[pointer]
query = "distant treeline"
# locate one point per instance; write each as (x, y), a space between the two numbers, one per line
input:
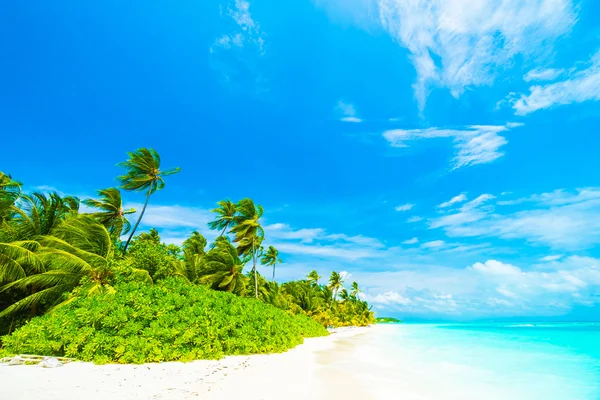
(387, 320)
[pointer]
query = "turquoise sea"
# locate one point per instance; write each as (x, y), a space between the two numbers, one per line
(485, 361)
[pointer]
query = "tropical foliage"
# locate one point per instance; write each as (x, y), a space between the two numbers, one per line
(194, 322)
(143, 174)
(111, 213)
(271, 259)
(64, 267)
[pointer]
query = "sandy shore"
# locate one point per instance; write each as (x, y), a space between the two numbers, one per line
(310, 371)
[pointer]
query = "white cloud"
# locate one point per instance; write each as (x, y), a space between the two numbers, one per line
(249, 32)
(284, 231)
(348, 112)
(351, 119)
(175, 216)
(328, 251)
(47, 189)
(404, 207)
(345, 275)
(390, 298)
(428, 280)
(174, 222)
(558, 219)
(235, 55)
(317, 242)
(580, 86)
(474, 144)
(493, 267)
(280, 231)
(412, 300)
(414, 219)
(461, 43)
(490, 288)
(411, 241)
(433, 244)
(551, 258)
(574, 275)
(357, 239)
(456, 199)
(539, 74)
(478, 201)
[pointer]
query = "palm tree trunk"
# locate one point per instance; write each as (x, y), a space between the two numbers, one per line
(273, 280)
(223, 231)
(213, 244)
(334, 297)
(254, 265)
(138, 221)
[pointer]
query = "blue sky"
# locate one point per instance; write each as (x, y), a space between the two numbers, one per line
(442, 153)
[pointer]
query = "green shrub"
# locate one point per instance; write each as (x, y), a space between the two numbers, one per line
(170, 321)
(148, 253)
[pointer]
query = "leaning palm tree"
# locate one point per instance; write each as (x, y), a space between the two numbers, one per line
(40, 213)
(195, 244)
(313, 277)
(355, 290)
(143, 174)
(271, 259)
(336, 282)
(112, 214)
(10, 191)
(193, 254)
(249, 234)
(222, 269)
(344, 295)
(77, 251)
(327, 296)
(226, 213)
(18, 260)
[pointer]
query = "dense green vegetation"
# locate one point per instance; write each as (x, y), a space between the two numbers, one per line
(387, 320)
(171, 320)
(66, 276)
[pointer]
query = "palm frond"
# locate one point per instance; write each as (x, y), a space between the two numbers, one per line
(85, 233)
(17, 259)
(50, 296)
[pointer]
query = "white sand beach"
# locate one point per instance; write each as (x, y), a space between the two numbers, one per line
(305, 372)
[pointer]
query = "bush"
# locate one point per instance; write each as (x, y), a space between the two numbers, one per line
(147, 253)
(170, 321)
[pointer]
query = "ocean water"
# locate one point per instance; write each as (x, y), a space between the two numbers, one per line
(482, 361)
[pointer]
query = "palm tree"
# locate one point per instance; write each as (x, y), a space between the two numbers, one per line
(41, 213)
(313, 277)
(344, 295)
(193, 247)
(143, 174)
(55, 264)
(10, 191)
(305, 296)
(112, 216)
(249, 234)
(223, 268)
(193, 253)
(327, 295)
(355, 290)
(336, 282)
(271, 258)
(18, 260)
(226, 213)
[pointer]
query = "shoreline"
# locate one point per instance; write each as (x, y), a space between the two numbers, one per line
(306, 371)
